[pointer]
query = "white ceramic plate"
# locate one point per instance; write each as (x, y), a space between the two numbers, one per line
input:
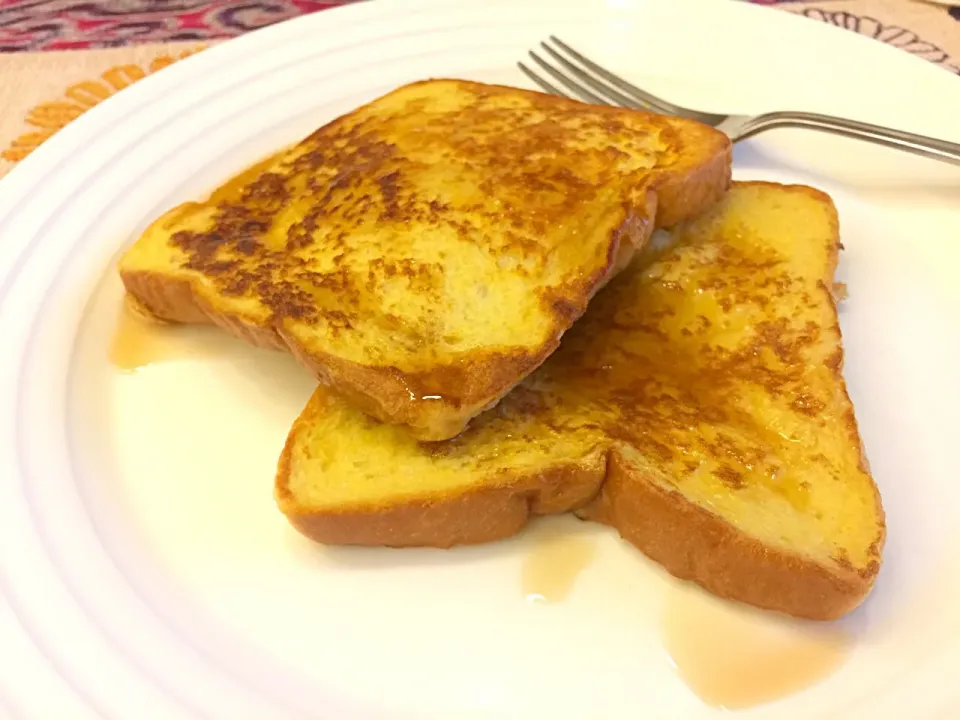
(145, 570)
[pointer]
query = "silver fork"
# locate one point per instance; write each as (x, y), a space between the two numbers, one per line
(584, 79)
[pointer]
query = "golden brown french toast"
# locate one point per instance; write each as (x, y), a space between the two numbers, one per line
(424, 253)
(698, 407)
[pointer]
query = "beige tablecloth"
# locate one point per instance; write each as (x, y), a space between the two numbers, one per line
(42, 92)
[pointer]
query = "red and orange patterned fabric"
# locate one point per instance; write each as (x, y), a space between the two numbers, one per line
(81, 24)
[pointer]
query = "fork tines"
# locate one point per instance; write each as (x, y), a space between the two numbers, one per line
(588, 81)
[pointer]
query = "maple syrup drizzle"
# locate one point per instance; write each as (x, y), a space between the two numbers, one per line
(551, 568)
(139, 340)
(734, 657)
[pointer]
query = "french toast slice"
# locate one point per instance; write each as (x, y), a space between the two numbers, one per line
(698, 407)
(424, 253)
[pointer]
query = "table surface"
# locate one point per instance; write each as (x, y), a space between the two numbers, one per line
(59, 58)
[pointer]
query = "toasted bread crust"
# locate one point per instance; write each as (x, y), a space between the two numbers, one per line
(693, 187)
(493, 511)
(690, 542)
(694, 544)
(483, 515)
(178, 301)
(436, 401)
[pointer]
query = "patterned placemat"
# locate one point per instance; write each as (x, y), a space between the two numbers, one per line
(40, 92)
(82, 24)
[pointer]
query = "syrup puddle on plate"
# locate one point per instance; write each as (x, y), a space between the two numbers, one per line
(139, 341)
(552, 566)
(734, 657)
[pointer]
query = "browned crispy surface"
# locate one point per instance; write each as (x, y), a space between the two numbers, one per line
(698, 407)
(362, 248)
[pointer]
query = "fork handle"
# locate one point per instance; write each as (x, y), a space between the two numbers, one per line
(897, 139)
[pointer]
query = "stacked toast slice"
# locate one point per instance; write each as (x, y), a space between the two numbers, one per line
(424, 253)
